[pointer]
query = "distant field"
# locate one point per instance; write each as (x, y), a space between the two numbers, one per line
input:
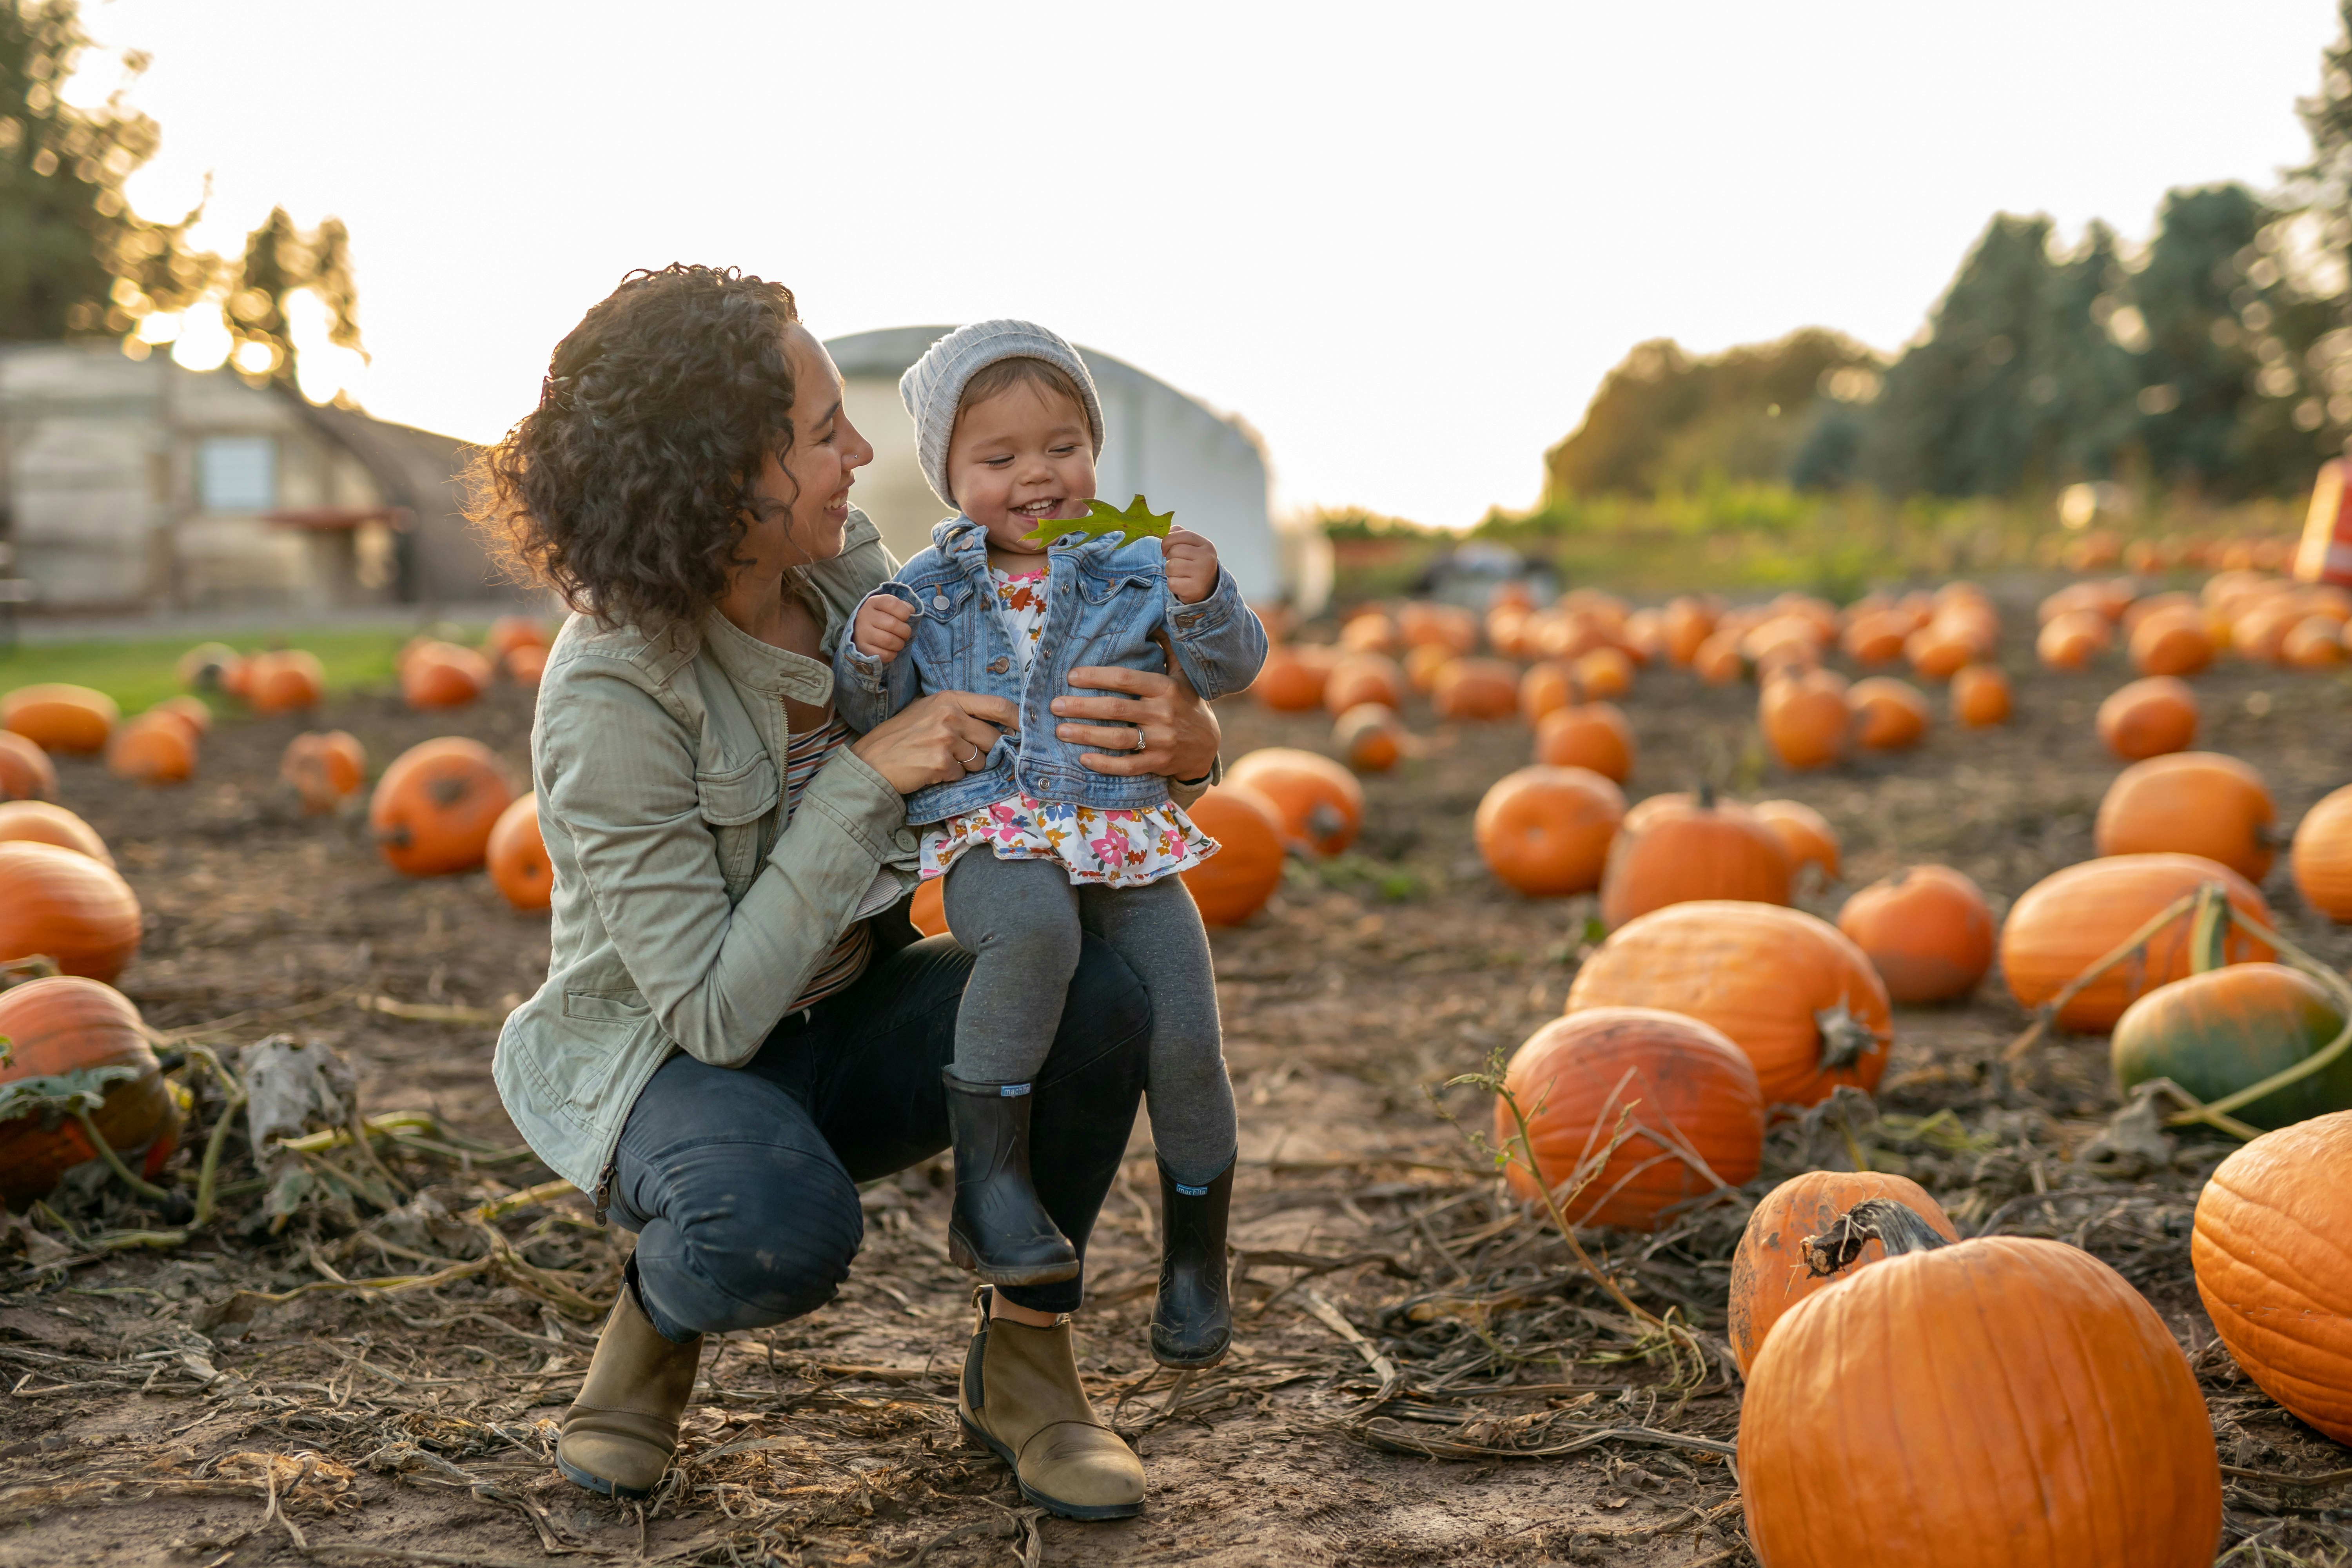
(138, 672)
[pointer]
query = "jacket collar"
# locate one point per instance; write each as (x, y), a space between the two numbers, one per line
(762, 668)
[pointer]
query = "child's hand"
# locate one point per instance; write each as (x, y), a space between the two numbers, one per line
(1191, 564)
(884, 624)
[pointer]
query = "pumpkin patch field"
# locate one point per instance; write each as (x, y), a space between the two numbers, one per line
(1899, 1004)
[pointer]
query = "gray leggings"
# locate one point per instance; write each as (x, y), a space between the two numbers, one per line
(1022, 922)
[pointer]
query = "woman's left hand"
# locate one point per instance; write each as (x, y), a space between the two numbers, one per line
(1179, 730)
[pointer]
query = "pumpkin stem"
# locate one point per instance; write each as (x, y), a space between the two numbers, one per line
(1893, 1226)
(1706, 795)
(1844, 1038)
(2208, 929)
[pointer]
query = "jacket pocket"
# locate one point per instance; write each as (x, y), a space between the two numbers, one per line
(605, 1008)
(738, 795)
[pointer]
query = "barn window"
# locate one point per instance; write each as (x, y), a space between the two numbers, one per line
(236, 473)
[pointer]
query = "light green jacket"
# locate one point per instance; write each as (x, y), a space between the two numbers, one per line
(686, 917)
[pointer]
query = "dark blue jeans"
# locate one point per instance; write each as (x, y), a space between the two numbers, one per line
(741, 1182)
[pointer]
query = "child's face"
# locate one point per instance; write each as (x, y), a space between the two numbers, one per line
(1019, 457)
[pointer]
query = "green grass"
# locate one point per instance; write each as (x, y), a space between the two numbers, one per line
(138, 672)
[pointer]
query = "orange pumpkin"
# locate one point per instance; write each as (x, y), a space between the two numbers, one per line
(1592, 735)
(1790, 990)
(2321, 859)
(1939, 649)
(152, 748)
(1449, 627)
(58, 717)
(60, 902)
(1806, 719)
(1235, 882)
(2315, 642)
(1291, 679)
(2071, 919)
(1805, 834)
(518, 855)
(1889, 715)
(66, 1024)
(443, 675)
(206, 667)
(192, 710)
(2267, 1246)
(2196, 803)
(2149, 718)
(1368, 631)
(1700, 848)
(2072, 640)
(434, 807)
(1476, 690)
(927, 911)
(1546, 831)
(1371, 737)
(1423, 661)
(508, 632)
(1605, 672)
(325, 767)
(1360, 677)
(526, 663)
(287, 681)
(1688, 1100)
(2171, 642)
(1769, 1271)
(1875, 636)
(1547, 687)
(1716, 660)
(25, 771)
(1980, 696)
(1683, 625)
(38, 822)
(1988, 1404)
(1928, 930)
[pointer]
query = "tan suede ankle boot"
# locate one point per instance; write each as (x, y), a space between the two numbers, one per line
(1021, 1397)
(619, 1434)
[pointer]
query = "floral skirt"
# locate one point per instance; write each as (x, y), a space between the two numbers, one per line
(1111, 847)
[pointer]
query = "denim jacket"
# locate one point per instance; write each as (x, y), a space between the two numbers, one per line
(1104, 597)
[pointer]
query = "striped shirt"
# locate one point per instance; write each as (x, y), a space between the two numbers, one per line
(847, 961)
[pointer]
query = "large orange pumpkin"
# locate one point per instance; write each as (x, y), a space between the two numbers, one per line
(1980, 696)
(1235, 882)
(508, 632)
(325, 767)
(2315, 643)
(1423, 624)
(1476, 689)
(1805, 718)
(2071, 640)
(525, 663)
(517, 856)
(2322, 856)
(1804, 833)
(58, 717)
(1875, 636)
(1926, 929)
(1769, 1271)
(1789, 989)
(1547, 687)
(1371, 737)
(2071, 919)
(25, 771)
(2149, 718)
(1684, 623)
(286, 681)
(1546, 831)
(2171, 642)
(1590, 735)
(1368, 631)
(1888, 714)
(153, 749)
(60, 902)
(1422, 660)
(1701, 849)
(1319, 802)
(1696, 1127)
(1360, 677)
(443, 675)
(2195, 803)
(1988, 1404)
(434, 807)
(2271, 1235)
(191, 711)
(1291, 679)
(66, 1024)
(1940, 648)
(1605, 672)
(1716, 660)
(38, 822)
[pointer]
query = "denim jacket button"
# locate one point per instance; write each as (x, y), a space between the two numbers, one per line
(999, 665)
(938, 601)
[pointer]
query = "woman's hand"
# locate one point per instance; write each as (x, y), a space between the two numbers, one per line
(935, 739)
(1178, 732)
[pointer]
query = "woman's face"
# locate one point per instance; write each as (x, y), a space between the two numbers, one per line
(801, 504)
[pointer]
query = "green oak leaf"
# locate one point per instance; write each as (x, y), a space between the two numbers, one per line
(1137, 522)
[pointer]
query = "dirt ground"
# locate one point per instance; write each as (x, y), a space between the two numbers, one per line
(1419, 1377)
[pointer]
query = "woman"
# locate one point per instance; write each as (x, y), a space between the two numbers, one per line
(738, 1025)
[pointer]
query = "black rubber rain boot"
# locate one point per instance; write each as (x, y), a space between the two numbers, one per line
(999, 1229)
(1193, 1323)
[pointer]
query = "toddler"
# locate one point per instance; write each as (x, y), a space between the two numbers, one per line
(1035, 847)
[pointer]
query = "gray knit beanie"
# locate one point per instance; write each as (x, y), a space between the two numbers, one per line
(933, 385)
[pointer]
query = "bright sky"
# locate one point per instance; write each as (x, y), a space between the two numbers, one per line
(1404, 242)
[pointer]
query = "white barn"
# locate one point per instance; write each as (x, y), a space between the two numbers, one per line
(1210, 468)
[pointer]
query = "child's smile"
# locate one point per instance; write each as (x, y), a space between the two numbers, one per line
(1018, 458)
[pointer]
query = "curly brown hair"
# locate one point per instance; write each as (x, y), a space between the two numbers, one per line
(625, 489)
